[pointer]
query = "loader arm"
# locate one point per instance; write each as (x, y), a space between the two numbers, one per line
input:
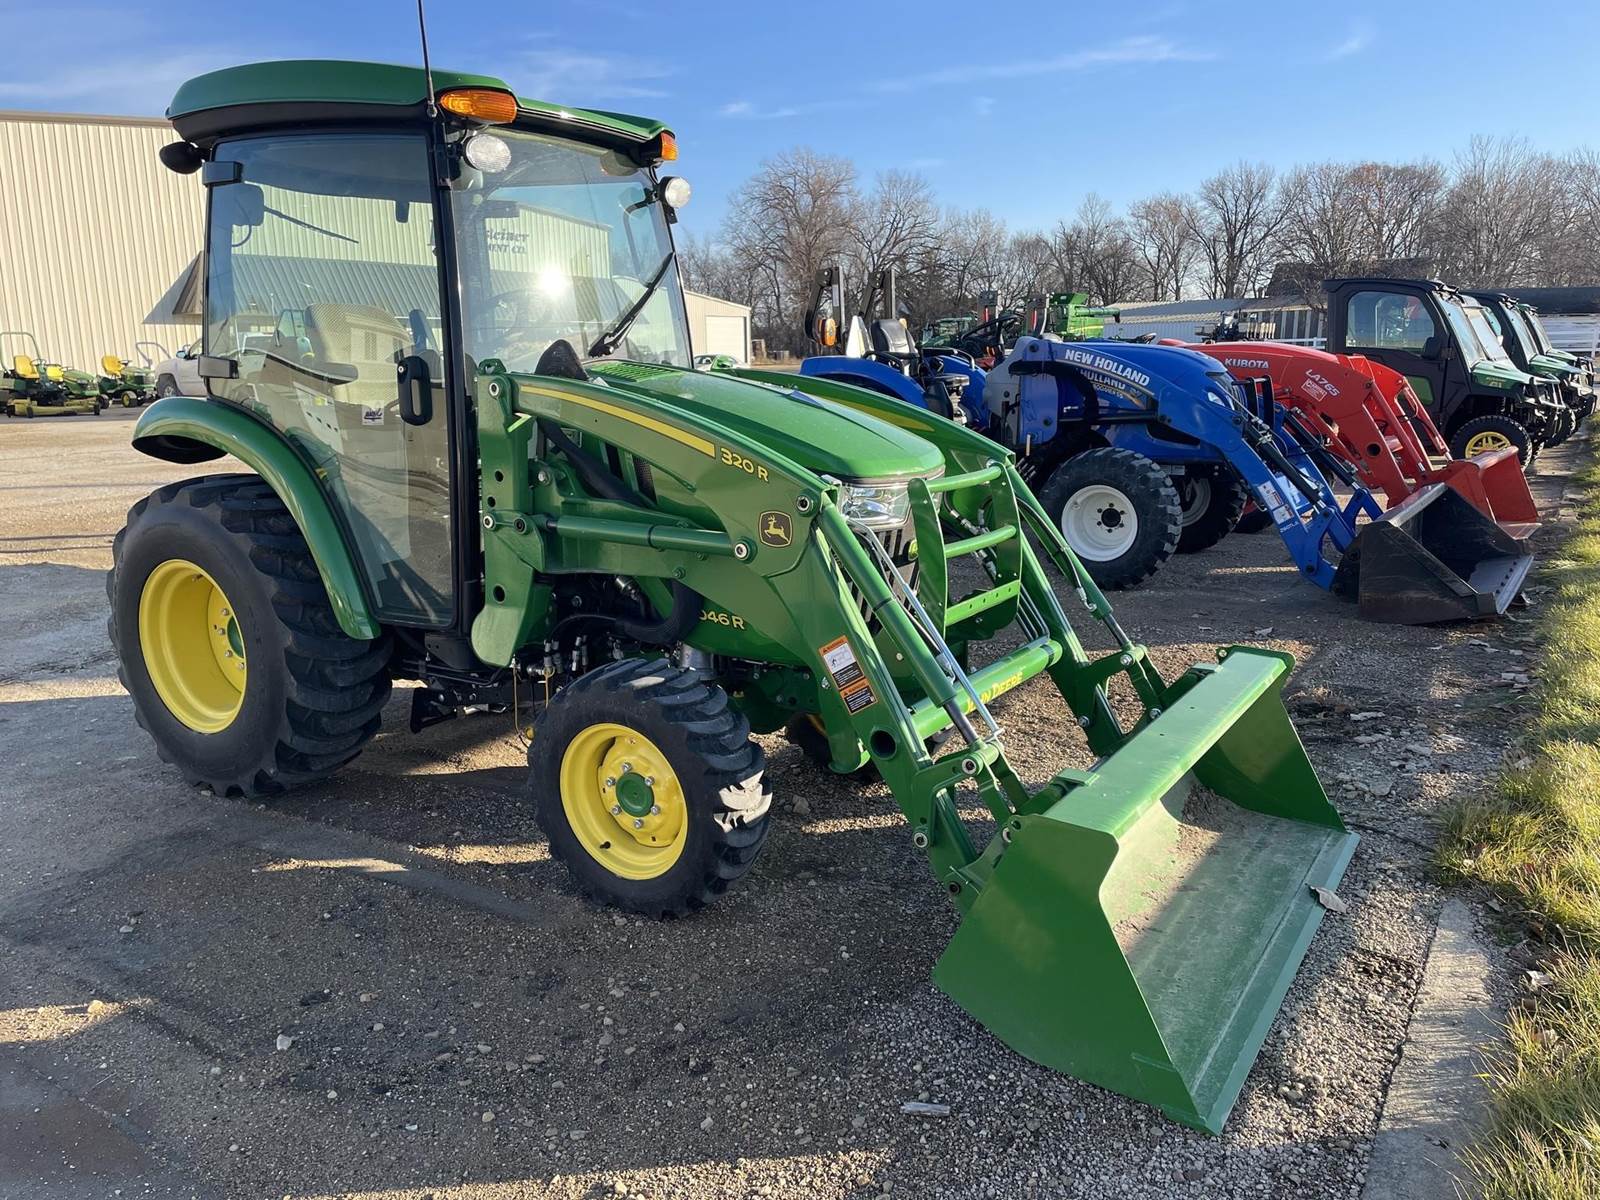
(1057, 953)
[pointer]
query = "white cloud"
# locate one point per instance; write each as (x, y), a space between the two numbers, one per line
(559, 73)
(983, 105)
(1360, 38)
(54, 73)
(1144, 49)
(747, 111)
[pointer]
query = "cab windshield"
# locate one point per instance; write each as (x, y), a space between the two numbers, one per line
(1513, 322)
(563, 242)
(1535, 328)
(1488, 337)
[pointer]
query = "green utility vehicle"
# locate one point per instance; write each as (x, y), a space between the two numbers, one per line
(1069, 315)
(1441, 340)
(1513, 324)
(487, 464)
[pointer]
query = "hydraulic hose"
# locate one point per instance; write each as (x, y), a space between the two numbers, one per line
(687, 603)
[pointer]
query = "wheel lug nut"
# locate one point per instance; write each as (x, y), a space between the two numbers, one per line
(649, 781)
(616, 810)
(626, 767)
(655, 810)
(638, 822)
(610, 782)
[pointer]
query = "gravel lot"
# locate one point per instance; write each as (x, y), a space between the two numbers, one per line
(383, 987)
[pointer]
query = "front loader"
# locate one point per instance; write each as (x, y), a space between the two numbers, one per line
(1369, 418)
(1138, 450)
(489, 466)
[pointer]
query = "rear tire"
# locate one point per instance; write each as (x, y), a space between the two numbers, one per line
(1480, 435)
(1212, 504)
(307, 698)
(167, 386)
(649, 787)
(1118, 511)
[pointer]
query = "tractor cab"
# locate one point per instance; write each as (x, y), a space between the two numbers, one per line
(1442, 341)
(1522, 343)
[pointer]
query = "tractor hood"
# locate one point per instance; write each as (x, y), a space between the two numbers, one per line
(1551, 367)
(824, 437)
(1500, 377)
(1148, 366)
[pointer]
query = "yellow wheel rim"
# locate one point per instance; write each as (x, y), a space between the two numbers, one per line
(623, 801)
(1483, 443)
(193, 647)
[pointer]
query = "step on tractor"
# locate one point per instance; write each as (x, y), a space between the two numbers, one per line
(492, 468)
(1138, 450)
(1441, 340)
(1367, 416)
(30, 387)
(123, 383)
(1574, 384)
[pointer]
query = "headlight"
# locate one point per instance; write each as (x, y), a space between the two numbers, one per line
(876, 505)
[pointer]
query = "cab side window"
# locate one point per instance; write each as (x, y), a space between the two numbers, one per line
(1388, 321)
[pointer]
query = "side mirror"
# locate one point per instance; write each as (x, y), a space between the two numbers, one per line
(1431, 347)
(248, 204)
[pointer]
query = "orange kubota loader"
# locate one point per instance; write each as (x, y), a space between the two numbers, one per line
(1369, 418)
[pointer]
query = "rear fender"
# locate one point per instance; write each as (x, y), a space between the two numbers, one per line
(182, 429)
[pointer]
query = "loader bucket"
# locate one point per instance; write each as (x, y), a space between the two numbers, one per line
(1495, 486)
(1141, 931)
(1435, 557)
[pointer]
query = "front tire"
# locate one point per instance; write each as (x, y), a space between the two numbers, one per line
(1493, 432)
(1212, 503)
(649, 787)
(167, 386)
(1118, 511)
(228, 644)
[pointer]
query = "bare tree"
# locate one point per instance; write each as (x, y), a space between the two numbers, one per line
(788, 220)
(1323, 227)
(1502, 199)
(1162, 231)
(893, 226)
(1235, 222)
(1399, 206)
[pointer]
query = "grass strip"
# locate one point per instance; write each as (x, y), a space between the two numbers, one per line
(1535, 841)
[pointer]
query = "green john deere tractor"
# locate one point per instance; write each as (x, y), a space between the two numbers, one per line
(482, 460)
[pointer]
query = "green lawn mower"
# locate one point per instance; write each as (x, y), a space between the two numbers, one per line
(30, 387)
(487, 464)
(121, 382)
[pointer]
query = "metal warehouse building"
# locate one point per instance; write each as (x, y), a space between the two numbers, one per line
(98, 241)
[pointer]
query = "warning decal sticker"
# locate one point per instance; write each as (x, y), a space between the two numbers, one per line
(847, 675)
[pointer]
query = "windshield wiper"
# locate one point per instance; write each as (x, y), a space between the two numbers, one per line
(283, 216)
(608, 341)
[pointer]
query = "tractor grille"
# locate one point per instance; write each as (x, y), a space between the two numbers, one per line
(898, 542)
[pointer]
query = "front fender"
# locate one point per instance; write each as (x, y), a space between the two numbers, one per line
(182, 429)
(863, 372)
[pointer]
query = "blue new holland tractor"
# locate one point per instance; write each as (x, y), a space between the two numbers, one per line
(1139, 450)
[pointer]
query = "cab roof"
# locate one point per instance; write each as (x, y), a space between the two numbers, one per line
(271, 93)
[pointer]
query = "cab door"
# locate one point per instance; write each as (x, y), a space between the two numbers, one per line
(323, 289)
(1403, 330)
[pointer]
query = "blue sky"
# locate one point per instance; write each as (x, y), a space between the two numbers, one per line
(1022, 115)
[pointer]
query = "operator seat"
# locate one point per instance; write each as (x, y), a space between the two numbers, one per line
(893, 345)
(369, 339)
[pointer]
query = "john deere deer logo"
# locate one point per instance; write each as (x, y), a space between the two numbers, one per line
(776, 529)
